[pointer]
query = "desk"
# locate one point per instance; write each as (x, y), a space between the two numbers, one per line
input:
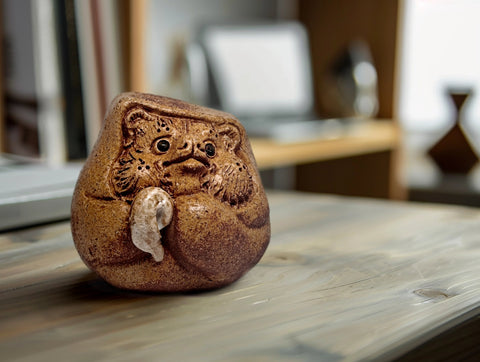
(343, 279)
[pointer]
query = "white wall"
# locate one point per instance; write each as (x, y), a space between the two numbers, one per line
(440, 48)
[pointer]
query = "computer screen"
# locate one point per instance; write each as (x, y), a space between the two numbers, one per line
(260, 70)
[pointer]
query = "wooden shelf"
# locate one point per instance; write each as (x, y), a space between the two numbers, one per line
(365, 138)
(364, 161)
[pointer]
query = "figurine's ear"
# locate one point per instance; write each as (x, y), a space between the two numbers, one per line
(130, 124)
(231, 135)
(128, 135)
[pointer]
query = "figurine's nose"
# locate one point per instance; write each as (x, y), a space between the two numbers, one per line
(186, 148)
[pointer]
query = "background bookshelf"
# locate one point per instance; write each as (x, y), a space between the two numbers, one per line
(95, 49)
(64, 61)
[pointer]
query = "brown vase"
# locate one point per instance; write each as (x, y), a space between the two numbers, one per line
(453, 153)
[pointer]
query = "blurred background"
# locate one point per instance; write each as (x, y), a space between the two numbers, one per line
(368, 98)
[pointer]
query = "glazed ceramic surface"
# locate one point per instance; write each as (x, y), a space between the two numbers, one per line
(170, 198)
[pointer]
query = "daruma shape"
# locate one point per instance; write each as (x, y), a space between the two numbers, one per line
(170, 198)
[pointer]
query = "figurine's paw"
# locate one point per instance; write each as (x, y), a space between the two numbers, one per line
(152, 210)
(206, 237)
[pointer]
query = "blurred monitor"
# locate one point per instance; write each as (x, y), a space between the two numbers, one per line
(260, 70)
(261, 73)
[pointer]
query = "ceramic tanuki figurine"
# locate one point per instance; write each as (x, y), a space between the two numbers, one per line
(170, 198)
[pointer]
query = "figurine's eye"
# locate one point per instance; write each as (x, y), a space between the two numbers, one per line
(163, 146)
(210, 149)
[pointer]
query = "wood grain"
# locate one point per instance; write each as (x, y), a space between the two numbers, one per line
(343, 279)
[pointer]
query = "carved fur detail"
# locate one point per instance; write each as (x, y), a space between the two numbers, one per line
(140, 164)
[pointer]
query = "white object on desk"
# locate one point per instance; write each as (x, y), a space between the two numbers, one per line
(31, 194)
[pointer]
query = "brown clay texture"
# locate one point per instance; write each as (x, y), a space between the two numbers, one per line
(197, 158)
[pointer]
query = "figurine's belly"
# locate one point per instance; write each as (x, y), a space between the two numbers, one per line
(206, 236)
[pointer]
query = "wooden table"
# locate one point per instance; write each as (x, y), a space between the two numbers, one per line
(343, 279)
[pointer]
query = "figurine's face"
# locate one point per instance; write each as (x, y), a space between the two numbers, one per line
(181, 156)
